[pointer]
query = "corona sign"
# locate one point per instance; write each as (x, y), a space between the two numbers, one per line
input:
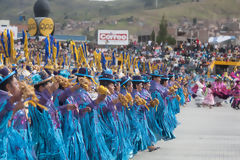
(32, 27)
(46, 26)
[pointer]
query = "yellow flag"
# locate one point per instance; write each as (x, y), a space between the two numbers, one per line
(61, 63)
(38, 59)
(128, 61)
(83, 59)
(125, 60)
(143, 67)
(137, 64)
(99, 66)
(54, 54)
(91, 64)
(134, 63)
(74, 52)
(95, 58)
(13, 52)
(121, 59)
(5, 42)
(6, 59)
(1, 60)
(26, 46)
(150, 67)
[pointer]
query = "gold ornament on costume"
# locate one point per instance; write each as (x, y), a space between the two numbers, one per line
(62, 81)
(129, 99)
(177, 85)
(171, 90)
(140, 101)
(178, 98)
(49, 65)
(28, 91)
(154, 102)
(123, 100)
(103, 90)
(36, 67)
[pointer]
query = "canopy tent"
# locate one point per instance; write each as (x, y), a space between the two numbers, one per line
(221, 39)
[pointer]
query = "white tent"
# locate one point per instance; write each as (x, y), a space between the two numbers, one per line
(220, 39)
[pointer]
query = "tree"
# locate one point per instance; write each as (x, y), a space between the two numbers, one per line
(194, 21)
(171, 40)
(153, 35)
(162, 33)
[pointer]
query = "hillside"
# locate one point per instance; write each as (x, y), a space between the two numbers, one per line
(79, 9)
(143, 17)
(211, 10)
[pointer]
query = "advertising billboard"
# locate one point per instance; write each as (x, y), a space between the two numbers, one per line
(112, 37)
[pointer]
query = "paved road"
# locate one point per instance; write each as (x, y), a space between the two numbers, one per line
(204, 134)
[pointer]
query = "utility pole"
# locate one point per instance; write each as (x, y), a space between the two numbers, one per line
(156, 4)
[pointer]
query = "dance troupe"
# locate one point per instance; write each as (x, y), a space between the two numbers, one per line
(87, 112)
(225, 88)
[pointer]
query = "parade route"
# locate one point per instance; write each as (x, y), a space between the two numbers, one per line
(204, 134)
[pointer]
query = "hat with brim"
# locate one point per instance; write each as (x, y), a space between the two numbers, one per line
(40, 78)
(156, 73)
(171, 75)
(117, 78)
(74, 70)
(164, 78)
(146, 78)
(137, 79)
(125, 80)
(5, 74)
(84, 72)
(64, 73)
(107, 77)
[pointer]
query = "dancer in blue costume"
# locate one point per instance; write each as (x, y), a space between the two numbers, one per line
(91, 127)
(46, 132)
(169, 117)
(123, 119)
(114, 136)
(175, 102)
(151, 119)
(128, 113)
(70, 125)
(146, 137)
(12, 146)
(133, 127)
(160, 92)
(180, 90)
(187, 89)
(21, 123)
